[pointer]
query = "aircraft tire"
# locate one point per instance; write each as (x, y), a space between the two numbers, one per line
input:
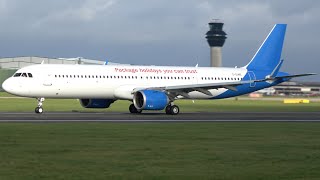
(134, 110)
(38, 110)
(174, 110)
(168, 109)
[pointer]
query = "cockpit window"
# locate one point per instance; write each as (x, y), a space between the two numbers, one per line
(23, 75)
(17, 75)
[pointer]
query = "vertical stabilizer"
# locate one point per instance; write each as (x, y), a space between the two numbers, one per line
(268, 55)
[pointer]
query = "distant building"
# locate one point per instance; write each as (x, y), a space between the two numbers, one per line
(293, 89)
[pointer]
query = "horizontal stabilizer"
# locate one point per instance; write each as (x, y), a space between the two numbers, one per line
(287, 76)
(296, 75)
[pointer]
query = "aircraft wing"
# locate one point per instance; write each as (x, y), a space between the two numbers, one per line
(183, 90)
(192, 87)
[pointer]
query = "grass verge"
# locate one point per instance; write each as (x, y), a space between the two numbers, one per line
(160, 151)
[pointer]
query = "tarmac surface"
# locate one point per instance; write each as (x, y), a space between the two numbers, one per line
(162, 117)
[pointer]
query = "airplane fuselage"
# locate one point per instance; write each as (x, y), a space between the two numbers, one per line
(118, 82)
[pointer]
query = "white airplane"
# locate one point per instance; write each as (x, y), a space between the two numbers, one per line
(151, 87)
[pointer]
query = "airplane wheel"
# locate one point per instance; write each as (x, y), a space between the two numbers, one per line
(168, 109)
(39, 110)
(174, 110)
(134, 110)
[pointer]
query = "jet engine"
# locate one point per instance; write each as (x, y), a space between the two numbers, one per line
(96, 103)
(150, 100)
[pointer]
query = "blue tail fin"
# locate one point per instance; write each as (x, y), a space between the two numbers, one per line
(268, 56)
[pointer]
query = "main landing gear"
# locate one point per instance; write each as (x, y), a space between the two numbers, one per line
(134, 110)
(39, 108)
(172, 109)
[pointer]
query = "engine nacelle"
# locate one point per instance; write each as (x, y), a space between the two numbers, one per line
(150, 100)
(96, 103)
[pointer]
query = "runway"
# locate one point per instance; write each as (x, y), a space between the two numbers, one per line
(161, 117)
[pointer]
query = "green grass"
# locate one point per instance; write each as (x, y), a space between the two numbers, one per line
(28, 105)
(160, 151)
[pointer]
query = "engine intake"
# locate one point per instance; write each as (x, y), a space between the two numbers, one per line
(96, 103)
(150, 100)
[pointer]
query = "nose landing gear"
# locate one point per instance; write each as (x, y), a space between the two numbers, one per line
(39, 109)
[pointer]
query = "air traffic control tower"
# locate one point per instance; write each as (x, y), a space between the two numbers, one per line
(216, 38)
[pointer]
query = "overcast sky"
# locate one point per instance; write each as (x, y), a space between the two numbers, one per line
(159, 32)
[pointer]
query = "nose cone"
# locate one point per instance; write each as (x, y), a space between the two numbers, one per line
(11, 86)
(16, 87)
(6, 85)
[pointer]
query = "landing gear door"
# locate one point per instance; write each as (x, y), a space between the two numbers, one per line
(252, 77)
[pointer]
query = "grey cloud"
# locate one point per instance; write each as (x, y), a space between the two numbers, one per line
(157, 32)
